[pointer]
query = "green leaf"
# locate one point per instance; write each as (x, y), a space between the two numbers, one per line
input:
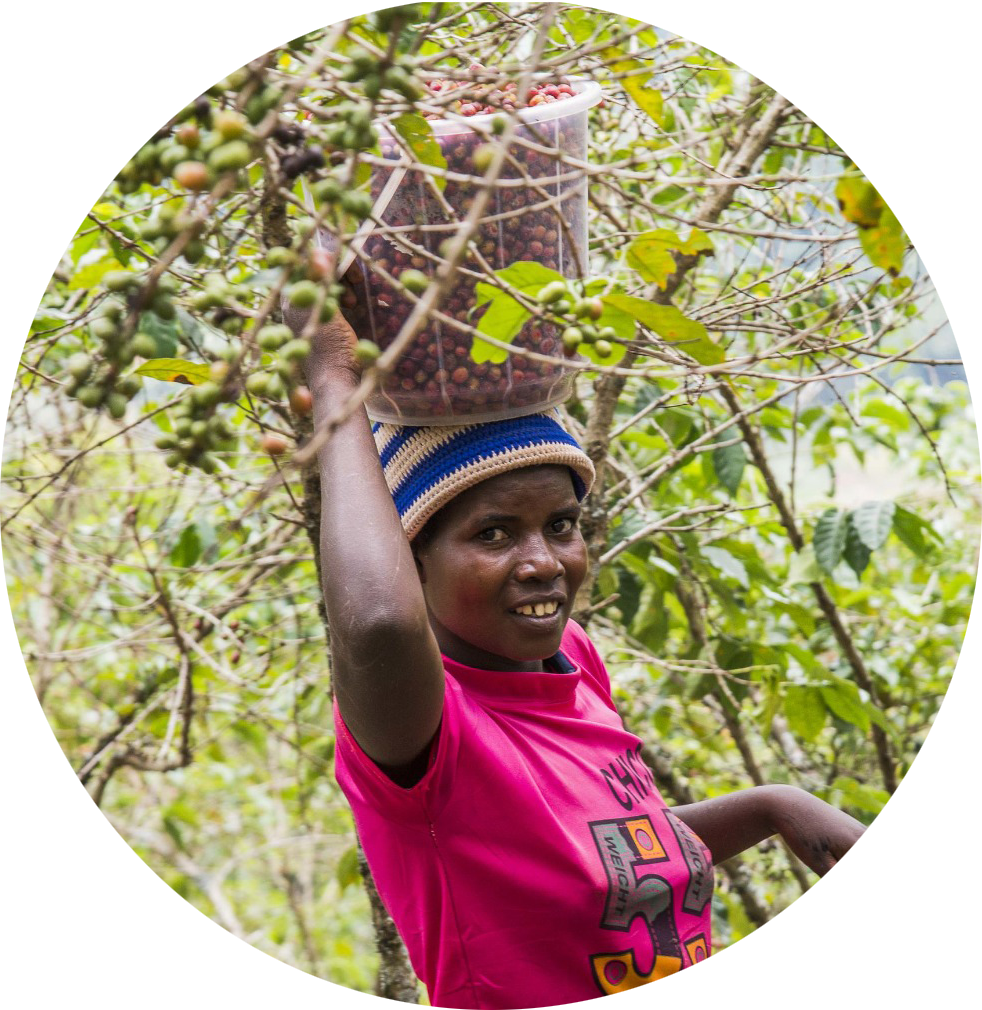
(856, 553)
(418, 135)
(347, 871)
(668, 323)
(829, 539)
(635, 74)
(873, 521)
(910, 530)
(858, 200)
(729, 462)
(842, 699)
(92, 273)
(504, 316)
(805, 711)
(803, 568)
(187, 550)
(885, 244)
(651, 253)
(941, 139)
(863, 797)
(166, 333)
(941, 173)
(189, 373)
(726, 563)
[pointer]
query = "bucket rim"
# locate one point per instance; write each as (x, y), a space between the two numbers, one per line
(588, 93)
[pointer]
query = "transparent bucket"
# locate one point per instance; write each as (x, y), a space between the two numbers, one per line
(537, 212)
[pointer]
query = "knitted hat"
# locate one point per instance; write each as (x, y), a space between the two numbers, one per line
(425, 468)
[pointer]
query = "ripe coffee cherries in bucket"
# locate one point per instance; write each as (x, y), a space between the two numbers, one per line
(536, 212)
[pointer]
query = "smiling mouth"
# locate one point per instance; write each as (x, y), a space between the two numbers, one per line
(537, 609)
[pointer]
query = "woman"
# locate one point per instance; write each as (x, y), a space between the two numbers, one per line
(513, 831)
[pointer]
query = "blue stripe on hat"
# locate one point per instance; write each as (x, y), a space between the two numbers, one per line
(481, 441)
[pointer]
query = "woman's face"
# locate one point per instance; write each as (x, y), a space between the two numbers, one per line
(502, 568)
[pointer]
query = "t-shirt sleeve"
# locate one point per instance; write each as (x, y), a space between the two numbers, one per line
(363, 782)
(580, 649)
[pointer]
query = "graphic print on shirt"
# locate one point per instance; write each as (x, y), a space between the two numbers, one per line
(626, 845)
(700, 888)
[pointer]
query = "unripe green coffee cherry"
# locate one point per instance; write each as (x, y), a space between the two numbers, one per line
(415, 281)
(144, 345)
(572, 335)
(295, 350)
(207, 463)
(79, 366)
(607, 333)
(281, 256)
(603, 349)
(562, 307)
(357, 203)
(327, 190)
(552, 292)
(90, 396)
(111, 309)
(481, 158)
(172, 156)
(229, 124)
(182, 427)
(194, 251)
(174, 459)
(275, 389)
(257, 383)
(274, 336)
(163, 307)
(116, 404)
(129, 386)
(302, 295)
(366, 352)
(198, 430)
(329, 309)
(498, 124)
(166, 441)
(230, 157)
(120, 280)
(125, 354)
(207, 394)
(104, 329)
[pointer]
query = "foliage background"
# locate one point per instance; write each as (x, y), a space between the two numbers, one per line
(815, 417)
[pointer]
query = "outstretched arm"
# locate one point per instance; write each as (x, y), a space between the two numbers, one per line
(817, 833)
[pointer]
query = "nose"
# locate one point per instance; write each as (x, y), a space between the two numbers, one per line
(538, 561)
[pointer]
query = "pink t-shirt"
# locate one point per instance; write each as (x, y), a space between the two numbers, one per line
(535, 862)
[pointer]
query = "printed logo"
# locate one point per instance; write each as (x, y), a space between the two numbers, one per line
(625, 845)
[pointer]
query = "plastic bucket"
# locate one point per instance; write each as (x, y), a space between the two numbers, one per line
(537, 212)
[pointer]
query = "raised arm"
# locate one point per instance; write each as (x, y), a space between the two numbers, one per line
(386, 667)
(818, 834)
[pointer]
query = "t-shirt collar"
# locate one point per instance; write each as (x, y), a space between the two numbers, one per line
(547, 687)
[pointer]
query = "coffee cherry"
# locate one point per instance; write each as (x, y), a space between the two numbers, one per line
(498, 125)
(281, 256)
(193, 175)
(327, 190)
(273, 336)
(571, 339)
(116, 405)
(230, 157)
(301, 402)
(112, 309)
(482, 157)
(552, 292)
(295, 350)
(329, 309)
(607, 333)
(144, 345)
(257, 383)
(230, 125)
(90, 396)
(302, 295)
(166, 441)
(366, 353)
(188, 135)
(104, 329)
(79, 366)
(273, 444)
(603, 349)
(415, 281)
(120, 280)
(357, 203)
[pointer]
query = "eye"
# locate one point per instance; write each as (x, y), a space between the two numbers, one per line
(492, 535)
(565, 525)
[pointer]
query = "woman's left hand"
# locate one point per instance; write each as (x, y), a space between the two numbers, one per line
(827, 840)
